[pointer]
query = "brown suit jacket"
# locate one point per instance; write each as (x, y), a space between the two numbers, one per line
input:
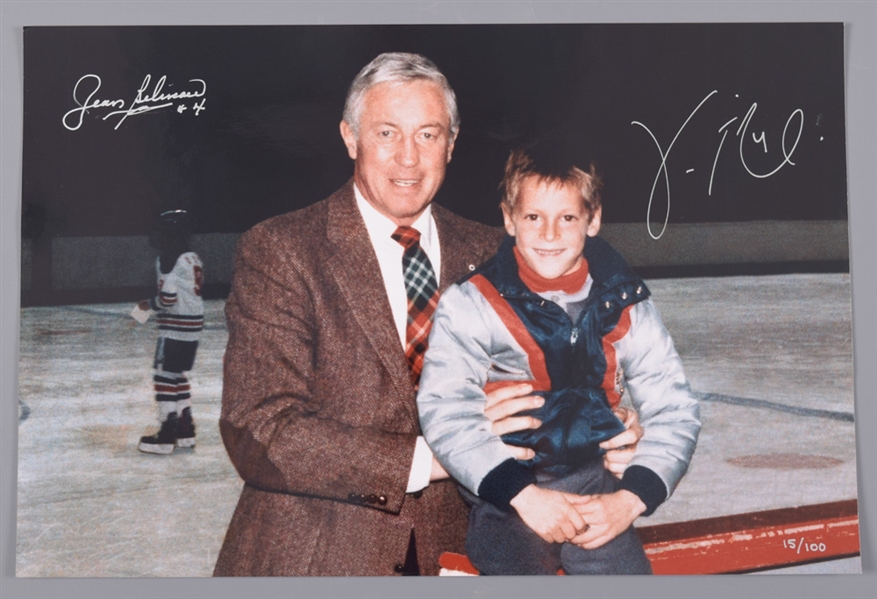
(318, 410)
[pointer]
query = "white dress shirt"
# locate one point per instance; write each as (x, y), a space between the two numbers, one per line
(389, 253)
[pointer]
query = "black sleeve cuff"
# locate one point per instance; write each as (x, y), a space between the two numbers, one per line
(504, 482)
(646, 485)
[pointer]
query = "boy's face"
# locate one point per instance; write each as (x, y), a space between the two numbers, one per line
(550, 224)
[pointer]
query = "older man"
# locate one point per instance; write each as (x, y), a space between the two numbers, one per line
(328, 318)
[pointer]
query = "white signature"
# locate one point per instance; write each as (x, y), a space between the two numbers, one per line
(146, 100)
(761, 139)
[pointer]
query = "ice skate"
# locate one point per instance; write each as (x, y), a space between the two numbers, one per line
(164, 441)
(186, 429)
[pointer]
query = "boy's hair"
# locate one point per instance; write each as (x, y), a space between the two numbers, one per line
(552, 162)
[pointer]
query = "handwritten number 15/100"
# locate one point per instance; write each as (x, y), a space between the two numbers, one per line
(797, 115)
(799, 544)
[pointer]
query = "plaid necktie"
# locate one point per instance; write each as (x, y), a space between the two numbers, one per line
(422, 289)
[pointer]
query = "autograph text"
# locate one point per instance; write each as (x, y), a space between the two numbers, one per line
(148, 99)
(796, 118)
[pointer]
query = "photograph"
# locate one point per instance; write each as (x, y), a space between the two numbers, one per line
(364, 299)
(244, 395)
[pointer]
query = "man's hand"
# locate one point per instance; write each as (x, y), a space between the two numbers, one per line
(549, 513)
(606, 516)
(503, 404)
(620, 448)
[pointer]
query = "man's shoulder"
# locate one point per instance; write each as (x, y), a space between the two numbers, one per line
(301, 227)
(311, 217)
(457, 223)
(460, 231)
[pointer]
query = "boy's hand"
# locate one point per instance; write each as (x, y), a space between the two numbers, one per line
(607, 516)
(143, 305)
(503, 404)
(620, 448)
(549, 513)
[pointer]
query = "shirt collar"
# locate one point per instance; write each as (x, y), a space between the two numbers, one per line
(381, 228)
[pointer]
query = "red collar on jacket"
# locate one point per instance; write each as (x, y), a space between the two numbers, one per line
(568, 283)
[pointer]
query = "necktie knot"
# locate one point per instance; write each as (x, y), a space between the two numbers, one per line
(407, 236)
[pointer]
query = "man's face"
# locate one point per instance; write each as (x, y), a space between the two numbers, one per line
(550, 224)
(403, 147)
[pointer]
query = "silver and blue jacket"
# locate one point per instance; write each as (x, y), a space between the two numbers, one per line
(491, 330)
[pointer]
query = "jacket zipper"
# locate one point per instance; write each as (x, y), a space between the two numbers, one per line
(574, 335)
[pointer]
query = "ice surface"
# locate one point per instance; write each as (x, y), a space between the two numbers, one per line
(89, 504)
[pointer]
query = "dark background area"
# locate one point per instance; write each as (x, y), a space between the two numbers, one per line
(267, 140)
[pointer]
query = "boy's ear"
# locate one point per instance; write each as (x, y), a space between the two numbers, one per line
(507, 220)
(594, 225)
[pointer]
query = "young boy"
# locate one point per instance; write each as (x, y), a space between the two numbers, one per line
(558, 308)
(180, 310)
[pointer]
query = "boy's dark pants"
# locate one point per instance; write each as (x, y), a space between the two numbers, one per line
(499, 543)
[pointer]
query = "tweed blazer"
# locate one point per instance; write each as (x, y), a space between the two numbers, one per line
(318, 409)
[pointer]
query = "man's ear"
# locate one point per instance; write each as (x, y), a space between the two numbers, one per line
(349, 138)
(507, 220)
(451, 147)
(594, 225)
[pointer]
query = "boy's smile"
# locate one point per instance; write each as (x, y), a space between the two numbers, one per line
(550, 225)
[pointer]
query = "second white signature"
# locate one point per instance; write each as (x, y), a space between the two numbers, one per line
(148, 98)
(759, 139)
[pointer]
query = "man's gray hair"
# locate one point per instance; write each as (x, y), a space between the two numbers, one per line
(397, 67)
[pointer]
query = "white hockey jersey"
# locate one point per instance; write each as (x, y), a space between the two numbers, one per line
(179, 305)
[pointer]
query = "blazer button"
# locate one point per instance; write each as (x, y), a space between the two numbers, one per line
(356, 497)
(372, 498)
(417, 494)
(398, 568)
(382, 500)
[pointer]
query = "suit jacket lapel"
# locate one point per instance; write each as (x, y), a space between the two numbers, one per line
(358, 275)
(455, 264)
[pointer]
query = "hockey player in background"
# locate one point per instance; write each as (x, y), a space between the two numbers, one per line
(179, 311)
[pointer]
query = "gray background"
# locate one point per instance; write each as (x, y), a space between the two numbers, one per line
(861, 21)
